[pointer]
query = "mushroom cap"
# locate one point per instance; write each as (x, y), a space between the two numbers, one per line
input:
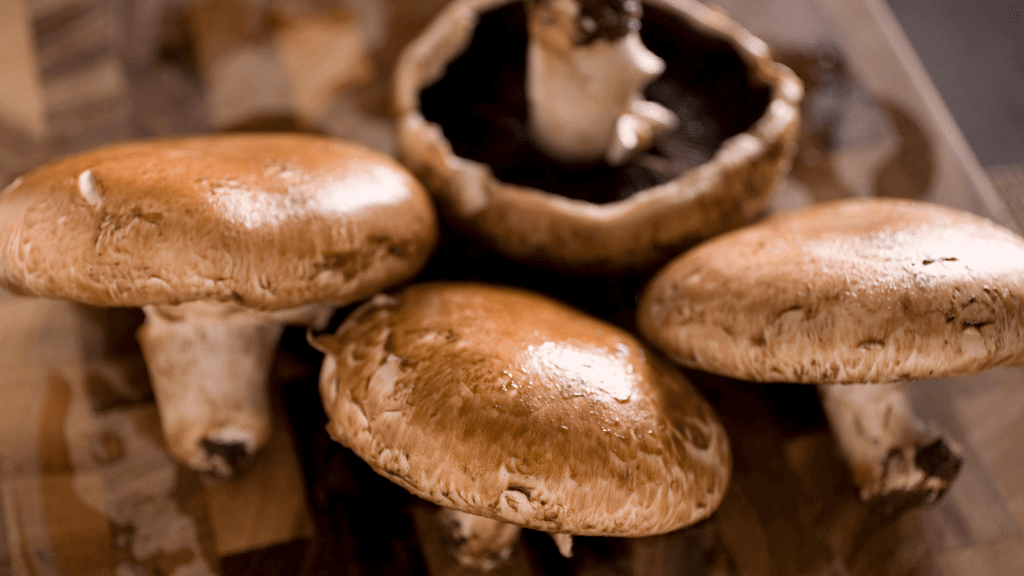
(850, 291)
(270, 221)
(505, 404)
(546, 229)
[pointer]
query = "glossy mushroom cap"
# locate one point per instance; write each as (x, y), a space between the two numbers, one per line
(852, 291)
(505, 404)
(265, 221)
(222, 240)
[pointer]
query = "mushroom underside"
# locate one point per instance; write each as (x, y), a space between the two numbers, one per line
(585, 94)
(706, 84)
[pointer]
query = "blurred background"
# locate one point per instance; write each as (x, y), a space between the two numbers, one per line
(974, 52)
(111, 68)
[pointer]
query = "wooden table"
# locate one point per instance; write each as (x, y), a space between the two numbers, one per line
(87, 487)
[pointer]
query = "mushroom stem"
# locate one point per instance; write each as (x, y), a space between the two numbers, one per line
(484, 543)
(584, 87)
(209, 367)
(563, 542)
(480, 543)
(897, 460)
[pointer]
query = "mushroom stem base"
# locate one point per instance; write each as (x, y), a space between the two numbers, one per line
(897, 461)
(209, 365)
(479, 542)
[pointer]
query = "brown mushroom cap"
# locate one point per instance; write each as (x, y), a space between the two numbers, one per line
(862, 290)
(508, 405)
(268, 221)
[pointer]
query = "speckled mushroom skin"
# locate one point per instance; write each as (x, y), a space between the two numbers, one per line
(266, 221)
(852, 291)
(508, 405)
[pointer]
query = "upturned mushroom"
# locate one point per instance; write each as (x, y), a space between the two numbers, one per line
(221, 240)
(562, 134)
(852, 295)
(512, 410)
(586, 68)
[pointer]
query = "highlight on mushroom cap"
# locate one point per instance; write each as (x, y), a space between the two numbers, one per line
(506, 404)
(268, 221)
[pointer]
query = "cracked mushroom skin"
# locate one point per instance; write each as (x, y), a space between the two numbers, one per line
(854, 292)
(221, 239)
(506, 405)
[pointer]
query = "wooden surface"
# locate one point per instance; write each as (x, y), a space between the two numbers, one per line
(87, 487)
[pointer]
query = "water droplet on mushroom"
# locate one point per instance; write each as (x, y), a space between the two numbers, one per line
(89, 187)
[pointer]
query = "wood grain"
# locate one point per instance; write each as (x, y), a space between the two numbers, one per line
(997, 429)
(245, 82)
(85, 90)
(21, 102)
(265, 508)
(88, 487)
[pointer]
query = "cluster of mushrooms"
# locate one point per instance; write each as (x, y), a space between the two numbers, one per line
(493, 400)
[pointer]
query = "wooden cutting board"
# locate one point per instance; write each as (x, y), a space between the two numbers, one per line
(87, 486)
